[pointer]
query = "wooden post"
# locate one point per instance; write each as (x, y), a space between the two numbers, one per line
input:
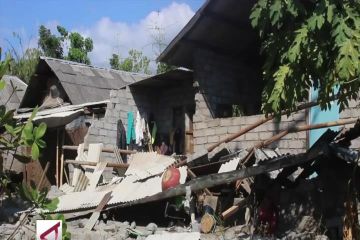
(57, 158)
(62, 158)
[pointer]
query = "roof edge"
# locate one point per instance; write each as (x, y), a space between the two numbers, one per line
(188, 27)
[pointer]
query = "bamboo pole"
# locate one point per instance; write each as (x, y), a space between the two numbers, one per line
(108, 164)
(261, 121)
(109, 150)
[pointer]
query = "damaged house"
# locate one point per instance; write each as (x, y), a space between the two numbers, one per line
(70, 97)
(219, 96)
(279, 178)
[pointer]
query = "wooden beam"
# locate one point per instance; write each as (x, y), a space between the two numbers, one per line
(233, 209)
(193, 176)
(108, 164)
(109, 150)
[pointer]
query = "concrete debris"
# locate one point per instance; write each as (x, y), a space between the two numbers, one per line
(175, 236)
(250, 194)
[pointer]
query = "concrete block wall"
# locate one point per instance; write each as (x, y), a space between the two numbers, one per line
(168, 99)
(224, 80)
(210, 131)
(104, 130)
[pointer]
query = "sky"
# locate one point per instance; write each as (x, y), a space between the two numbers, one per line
(116, 26)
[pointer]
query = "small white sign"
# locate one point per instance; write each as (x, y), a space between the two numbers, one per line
(48, 230)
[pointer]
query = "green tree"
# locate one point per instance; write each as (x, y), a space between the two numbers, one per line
(135, 62)
(53, 45)
(25, 66)
(79, 48)
(308, 43)
(50, 44)
(115, 62)
(23, 63)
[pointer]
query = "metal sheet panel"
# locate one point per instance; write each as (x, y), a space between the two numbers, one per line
(148, 164)
(129, 189)
(229, 166)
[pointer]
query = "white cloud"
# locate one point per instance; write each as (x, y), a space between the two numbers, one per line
(118, 37)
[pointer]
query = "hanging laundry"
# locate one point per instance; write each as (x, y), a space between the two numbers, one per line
(139, 129)
(121, 135)
(153, 133)
(130, 128)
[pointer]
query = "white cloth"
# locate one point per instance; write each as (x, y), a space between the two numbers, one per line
(139, 128)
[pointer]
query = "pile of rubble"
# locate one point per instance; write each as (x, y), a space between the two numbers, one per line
(255, 193)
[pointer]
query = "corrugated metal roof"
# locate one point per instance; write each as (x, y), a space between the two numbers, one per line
(128, 190)
(16, 98)
(147, 164)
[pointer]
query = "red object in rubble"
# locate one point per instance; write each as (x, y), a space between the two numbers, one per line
(267, 215)
(170, 178)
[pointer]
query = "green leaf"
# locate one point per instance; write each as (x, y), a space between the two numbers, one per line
(275, 97)
(275, 12)
(10, 129)
(24, 192)
(330, 12)
(2, 84)
(33, 114)
(51, 205)
(40, 131)
(300, 39)
(35, 151)
(41, 143)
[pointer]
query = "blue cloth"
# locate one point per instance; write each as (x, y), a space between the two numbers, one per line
(130, 128)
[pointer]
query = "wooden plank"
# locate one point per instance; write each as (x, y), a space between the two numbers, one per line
(109, 150)
(233, 209)
(94, 217)
(108, 164)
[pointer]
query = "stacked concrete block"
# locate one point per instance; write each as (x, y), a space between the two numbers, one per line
(104, 130)
(211, 131)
